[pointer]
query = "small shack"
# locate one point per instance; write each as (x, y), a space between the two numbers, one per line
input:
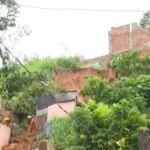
(46, 108)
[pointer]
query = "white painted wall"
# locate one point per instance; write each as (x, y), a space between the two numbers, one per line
(4, 135)
(55, 111)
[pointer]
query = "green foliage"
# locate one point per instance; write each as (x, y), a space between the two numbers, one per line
(118, 111)
(96, 87)
(19, 89)
(125, 88)
(100, 126)
(145, 20)
(52, 64)
(62, 133)
(8, 20)
(9, 10)
(130, 64)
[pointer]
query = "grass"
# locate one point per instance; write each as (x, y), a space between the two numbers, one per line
(49, 64)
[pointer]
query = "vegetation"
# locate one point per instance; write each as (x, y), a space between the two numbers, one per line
(100, 126)
(52, 64)
(19, 89)
(130, 64)
(116, 113)
(145, 20)
(7, 20)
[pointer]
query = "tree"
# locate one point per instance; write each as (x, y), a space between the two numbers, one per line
(9, 10)
(145, 21)
(9, 17)
(11, 38)
(98, 126)
(130, 64)
(19, 89)
(124, 88)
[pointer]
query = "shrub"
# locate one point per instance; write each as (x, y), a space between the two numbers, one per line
(100, 126)
(124, 88)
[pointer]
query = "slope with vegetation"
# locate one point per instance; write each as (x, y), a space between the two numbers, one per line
(116, 113)
(20, 89)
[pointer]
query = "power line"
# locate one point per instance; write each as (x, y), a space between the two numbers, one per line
(83, 9)
(53, 98)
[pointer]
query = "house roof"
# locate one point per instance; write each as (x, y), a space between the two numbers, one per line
(47, 100)
(44, 101)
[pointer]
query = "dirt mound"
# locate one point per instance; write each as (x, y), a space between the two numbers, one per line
(74, 80)
(25, 141)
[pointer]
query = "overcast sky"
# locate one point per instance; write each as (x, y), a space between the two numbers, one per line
(84, 33)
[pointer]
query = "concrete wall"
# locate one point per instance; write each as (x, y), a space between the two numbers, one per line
(40, 122)
(144, 141)
(4, 135)
(55, 111)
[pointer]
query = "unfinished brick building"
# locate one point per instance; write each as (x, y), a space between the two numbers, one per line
(121, 39)
(128, 37)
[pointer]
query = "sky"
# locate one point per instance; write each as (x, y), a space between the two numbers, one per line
(84, 33)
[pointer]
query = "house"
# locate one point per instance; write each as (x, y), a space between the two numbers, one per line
(47, 109)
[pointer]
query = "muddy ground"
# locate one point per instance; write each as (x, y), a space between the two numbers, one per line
(24, 141)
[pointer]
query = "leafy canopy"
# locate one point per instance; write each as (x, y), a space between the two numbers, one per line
(100, 126)
(130, 64)
(125, 88)
(10, 9)
(117, 112)
(19, 90)
(145, 20)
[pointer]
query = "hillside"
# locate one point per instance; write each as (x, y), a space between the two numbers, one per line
(74, 80)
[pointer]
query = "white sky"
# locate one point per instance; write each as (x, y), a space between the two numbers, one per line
(84, 33)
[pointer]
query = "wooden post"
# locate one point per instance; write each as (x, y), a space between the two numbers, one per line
(144, 140)
(46, 145)
(42, 145)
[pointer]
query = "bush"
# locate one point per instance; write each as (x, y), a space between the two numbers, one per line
(100, 126)
(130, 64)
(52, 64)
(62, 133)
(113, 119)
(19, 90)
(124, 88)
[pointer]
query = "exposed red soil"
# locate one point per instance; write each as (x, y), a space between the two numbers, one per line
(25, 141)
(74, 80)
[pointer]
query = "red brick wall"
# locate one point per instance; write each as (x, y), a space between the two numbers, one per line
(129, 37)
(120, 38)
(140, 39)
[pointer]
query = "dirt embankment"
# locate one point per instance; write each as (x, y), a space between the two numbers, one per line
(25, 141)
(21, 140)
(74, 80)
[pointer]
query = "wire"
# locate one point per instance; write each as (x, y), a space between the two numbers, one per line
(53, 98)
(83, 9)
